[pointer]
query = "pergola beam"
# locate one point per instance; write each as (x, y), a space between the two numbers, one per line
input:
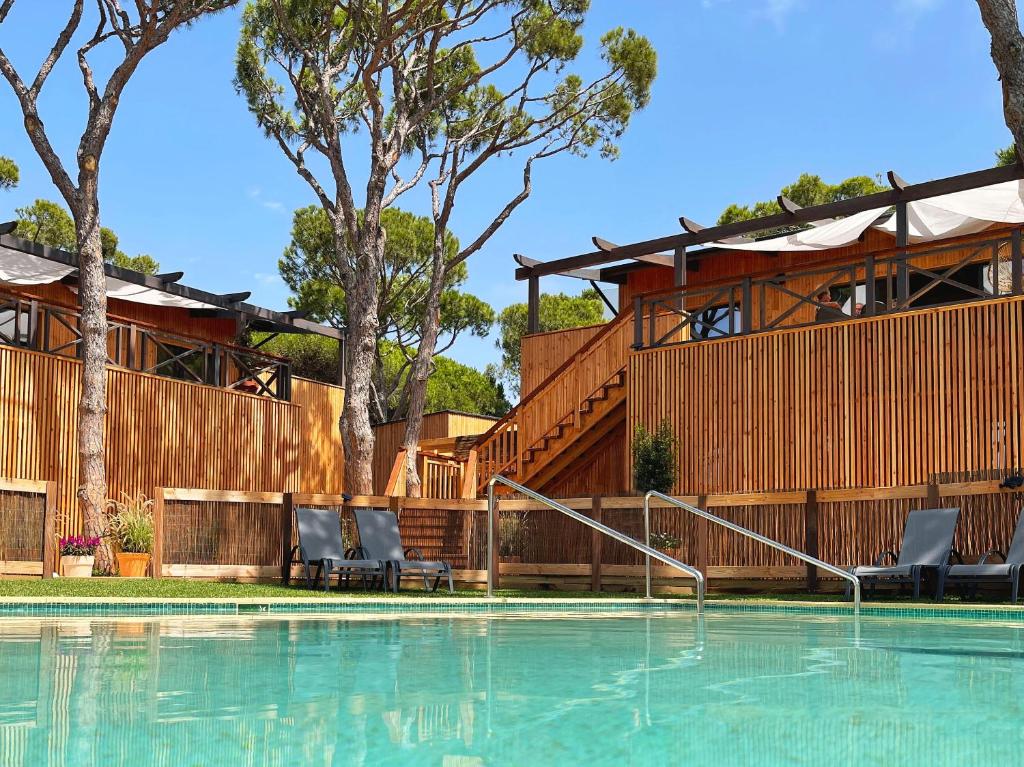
(884, 199)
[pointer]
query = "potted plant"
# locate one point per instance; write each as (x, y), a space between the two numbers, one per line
(666, 543)
(131, 530)
(77, 556)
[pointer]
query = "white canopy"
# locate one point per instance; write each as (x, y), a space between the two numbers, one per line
(966, 212)
(947, 215)
(834, 234)
(129, 291)
(20, 268)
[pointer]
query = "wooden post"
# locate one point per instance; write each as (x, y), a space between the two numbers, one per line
(469, 484)
(934, 498)
(679, 275)
(638, 323)
(287, 512)
(495, 556)
(49, 530)
(811, 537)
(869, 287)
(701, 534)
(157, 561)
(1016, 265)
(746, 306)
(533, 305)
(596, 541)
(902, 271)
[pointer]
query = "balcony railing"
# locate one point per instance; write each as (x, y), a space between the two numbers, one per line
(953, 273)
(51, 329)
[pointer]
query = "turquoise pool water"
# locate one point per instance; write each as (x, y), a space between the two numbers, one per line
(740, 689)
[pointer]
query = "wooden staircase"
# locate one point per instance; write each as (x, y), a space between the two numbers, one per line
(564, 416)
(601, 412)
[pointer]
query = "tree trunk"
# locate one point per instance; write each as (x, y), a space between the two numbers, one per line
(360, 346)
(1000, 17)
(419, 373)
(92, 405)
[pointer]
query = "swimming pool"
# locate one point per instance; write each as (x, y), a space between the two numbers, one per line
(451, 690)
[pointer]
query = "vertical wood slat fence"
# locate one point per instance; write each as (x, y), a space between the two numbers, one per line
(28, 544)
(203, 533)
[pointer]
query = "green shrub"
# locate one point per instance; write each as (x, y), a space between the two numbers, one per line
(655, 460)
(131, 524)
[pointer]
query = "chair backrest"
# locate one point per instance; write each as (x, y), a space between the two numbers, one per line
(320, 534)
(1015, 554)
(378, 534)
(928, 537)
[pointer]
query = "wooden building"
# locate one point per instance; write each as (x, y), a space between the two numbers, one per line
(877, 341)
(189, 404)
(446, 439)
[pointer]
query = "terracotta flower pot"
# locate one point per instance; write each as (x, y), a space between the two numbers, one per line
(76, 567)
(132, 565)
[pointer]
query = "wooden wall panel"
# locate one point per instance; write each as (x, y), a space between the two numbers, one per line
(322, 454)
(162, 432)
(873, 402)
(543, 353)
(605, 470)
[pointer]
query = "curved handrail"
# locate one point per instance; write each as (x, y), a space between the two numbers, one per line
(751, 534)
(610, 532)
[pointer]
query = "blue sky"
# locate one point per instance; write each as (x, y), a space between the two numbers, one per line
(750, 93)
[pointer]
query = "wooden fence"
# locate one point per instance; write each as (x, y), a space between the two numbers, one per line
(203, 533)
(163, 432)
(27, 527)
(885, 401)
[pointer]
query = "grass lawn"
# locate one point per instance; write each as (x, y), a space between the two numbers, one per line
(182, 588)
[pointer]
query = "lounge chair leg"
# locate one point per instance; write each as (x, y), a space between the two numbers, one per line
(940, 586)
(1014, 589)
(917, 585)
(451, 584)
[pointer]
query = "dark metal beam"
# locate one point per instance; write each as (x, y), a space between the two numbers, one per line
(611, 307)
(787, 205)
(579, 274)
(235, 298)
(847, 207)
(169, 277)
(895, 181)
(8, 226)
(691, 226)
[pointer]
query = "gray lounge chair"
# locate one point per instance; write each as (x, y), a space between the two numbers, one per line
(969, 576)
(320, 544)
(379, 538)
(927, 543)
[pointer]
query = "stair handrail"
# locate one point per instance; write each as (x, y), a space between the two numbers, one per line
(643, 548)
(750, 534)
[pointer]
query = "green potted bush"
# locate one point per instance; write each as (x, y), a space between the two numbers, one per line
(666, 543)
(655, 461)
(130, 528)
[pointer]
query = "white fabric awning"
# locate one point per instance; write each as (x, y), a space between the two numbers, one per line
(129, 291)
(20, 268)
(834, 234)
(967, 212)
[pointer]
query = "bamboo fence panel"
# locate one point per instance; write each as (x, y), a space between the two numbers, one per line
(883, 401)
(163, 432)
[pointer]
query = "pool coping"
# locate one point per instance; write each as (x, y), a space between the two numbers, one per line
(86, 607)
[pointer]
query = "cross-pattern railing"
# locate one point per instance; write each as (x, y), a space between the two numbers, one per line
(55, 330)
(954, 273)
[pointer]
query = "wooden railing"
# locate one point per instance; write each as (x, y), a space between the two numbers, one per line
(872, 285)
(132, 345)
(561, 395)
(28, 542)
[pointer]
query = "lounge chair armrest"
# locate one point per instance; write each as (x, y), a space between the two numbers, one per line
(415, 553)
(881, 558)
(984, 557)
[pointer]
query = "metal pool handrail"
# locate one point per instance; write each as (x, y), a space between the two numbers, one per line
(621, 537)
(750, 534)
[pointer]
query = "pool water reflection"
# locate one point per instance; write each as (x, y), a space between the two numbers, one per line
(476, 690)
